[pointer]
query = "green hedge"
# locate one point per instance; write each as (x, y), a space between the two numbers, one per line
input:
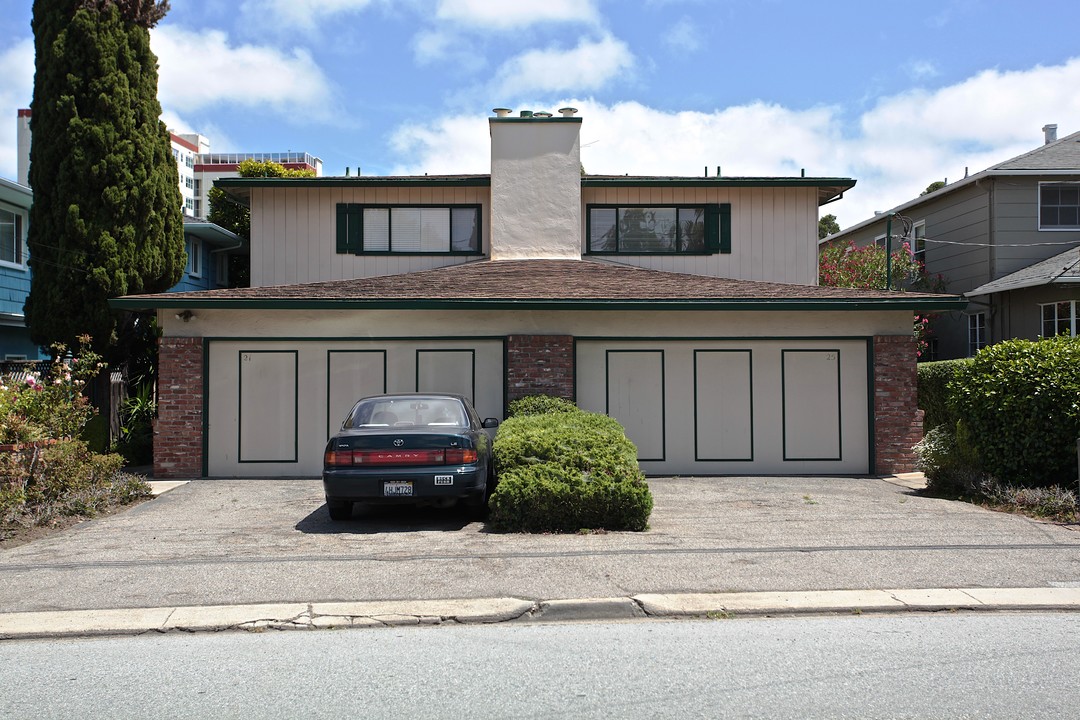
(540, 404)
(1019, 402)
(934, 394)
(565, 471)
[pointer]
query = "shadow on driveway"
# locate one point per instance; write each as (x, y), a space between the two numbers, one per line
(377, 519)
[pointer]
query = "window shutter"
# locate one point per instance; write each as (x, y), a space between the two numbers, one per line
(712, 228)
(725, 229)
(356, 228)
(342, 228)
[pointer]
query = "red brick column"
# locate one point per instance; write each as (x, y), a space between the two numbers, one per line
(897, 417)
(539, 365)
(178, 430)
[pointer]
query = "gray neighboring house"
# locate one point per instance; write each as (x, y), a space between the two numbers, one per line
(1006, 238)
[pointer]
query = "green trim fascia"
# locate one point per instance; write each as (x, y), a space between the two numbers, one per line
(239, 406)
(164, 301)
(355, 181)
(839, 405)
(750, 379)
(630, 181)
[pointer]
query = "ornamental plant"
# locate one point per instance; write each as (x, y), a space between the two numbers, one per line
(865, 267)
(38, 407)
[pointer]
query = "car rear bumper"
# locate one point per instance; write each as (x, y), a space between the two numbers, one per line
(369, 484)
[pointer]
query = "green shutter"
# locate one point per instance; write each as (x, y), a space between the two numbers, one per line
(342, 229)
(355, 238)
(725, 229)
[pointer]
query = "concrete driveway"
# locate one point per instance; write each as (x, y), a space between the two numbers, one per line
(214, 542)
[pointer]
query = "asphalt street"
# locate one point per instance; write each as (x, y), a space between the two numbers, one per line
(220, 542)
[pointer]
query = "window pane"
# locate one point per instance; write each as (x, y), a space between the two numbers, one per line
(602, 230)
(464, 230)
(1050, 195)
(647, 229)
(9, 237)
(692, 229)
(435, 230)
(1070, 195)
(376, 229)
(1068, 216)
(1050, 216)
(406, 229)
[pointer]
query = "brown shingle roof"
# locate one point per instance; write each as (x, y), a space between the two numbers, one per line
(531, 281)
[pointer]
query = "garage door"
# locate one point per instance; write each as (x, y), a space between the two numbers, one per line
(714, 406)
(271, 405)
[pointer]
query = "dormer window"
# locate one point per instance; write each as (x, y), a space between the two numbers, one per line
(677, 229)
(408, 229)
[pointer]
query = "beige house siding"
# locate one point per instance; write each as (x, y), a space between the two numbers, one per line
(773, 230)
(293, 232)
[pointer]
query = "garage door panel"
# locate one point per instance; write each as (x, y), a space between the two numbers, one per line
(723, 405)
(635, 397)
(351, 375)
(267, 419)
(811, 395)
(447, 371)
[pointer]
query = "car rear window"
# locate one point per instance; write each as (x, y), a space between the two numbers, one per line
(414, 411)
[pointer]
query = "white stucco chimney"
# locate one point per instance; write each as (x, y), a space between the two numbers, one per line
(1049, 133)
(535, 186)
(23, 143)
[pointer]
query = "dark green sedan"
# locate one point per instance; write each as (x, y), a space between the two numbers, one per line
(411, 448)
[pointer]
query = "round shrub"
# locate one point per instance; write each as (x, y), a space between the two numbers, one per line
(1020, 403)
(540, 405)
(934, 378)
(567, 471)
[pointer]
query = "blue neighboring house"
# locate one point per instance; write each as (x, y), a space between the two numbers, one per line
(208, 247)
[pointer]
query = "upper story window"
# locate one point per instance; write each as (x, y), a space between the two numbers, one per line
(11, 237)
(193, 246)
(632, 230)
(976, 332)
(1060, 318)
(414, 229)
(1059, 206)
(918, 242)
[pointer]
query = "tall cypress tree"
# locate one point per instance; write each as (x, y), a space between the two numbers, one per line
(106, 219)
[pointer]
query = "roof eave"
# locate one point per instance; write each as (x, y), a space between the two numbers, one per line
(165, 302)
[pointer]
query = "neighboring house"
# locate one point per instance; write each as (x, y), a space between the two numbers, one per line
(987, 228)
(15, 201)
(208, 247)
(687, 308)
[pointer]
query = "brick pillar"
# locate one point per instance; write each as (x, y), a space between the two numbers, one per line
(539, 365)
(178, 430)
(897, 417)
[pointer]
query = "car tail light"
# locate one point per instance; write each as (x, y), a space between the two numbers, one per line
(459, 456)
(439, 456)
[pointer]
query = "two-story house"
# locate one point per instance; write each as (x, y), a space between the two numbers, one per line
(15, 201)
(1006, 237)
(686, 307)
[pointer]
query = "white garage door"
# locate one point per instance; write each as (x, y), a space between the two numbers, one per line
(272, 404)
(712, 406)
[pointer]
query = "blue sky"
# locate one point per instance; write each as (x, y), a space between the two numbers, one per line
(894, 94)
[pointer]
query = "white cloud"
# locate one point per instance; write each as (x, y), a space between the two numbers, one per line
(202, 68)
(683, 37)
(919, 69)
(16, 91)
(504, 15)
(586, 67)
(896, 149)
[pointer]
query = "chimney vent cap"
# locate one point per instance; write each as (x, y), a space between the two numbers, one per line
(502, 112)
(568, 111)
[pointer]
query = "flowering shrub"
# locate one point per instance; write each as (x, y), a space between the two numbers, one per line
(865, 267)
(52, 407)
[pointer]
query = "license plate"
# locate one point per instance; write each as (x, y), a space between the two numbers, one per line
(444, 479)
(397, 488)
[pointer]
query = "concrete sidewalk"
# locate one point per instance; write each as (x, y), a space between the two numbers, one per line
(242, 543)
(313, 616)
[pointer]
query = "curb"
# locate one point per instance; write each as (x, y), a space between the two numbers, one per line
(396, 613)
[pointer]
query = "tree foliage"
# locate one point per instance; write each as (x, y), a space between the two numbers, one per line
(106, 218)
(933, 187)
(827, 225)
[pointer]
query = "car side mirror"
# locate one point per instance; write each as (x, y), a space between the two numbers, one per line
(490, 423)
